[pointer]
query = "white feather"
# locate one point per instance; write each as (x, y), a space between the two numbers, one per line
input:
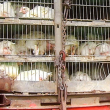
(80, 76)
(6, 10)
(40, 12)
(88, 49)
(102, 50)
(7, 47)
(33, 75)
(10, 69)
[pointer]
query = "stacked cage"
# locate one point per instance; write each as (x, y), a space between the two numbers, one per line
(27, 53)
(88, 46)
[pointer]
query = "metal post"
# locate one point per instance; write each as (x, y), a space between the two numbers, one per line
(58, 28)
(58, 33)
(58, 48)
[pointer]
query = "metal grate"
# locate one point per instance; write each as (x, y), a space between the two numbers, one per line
(88, 41)
(88, 71)
(41, 9)
(88, 77)
(23, 40)
(27, 42)
(89, 10)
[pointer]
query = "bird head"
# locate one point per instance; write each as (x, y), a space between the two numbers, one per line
(24, 10)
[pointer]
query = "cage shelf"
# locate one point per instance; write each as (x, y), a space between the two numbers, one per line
(27, 59)
(26, 21)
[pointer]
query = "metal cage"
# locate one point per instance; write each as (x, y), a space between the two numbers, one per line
(54, 52)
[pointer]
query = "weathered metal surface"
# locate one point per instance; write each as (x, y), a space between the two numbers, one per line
(89, 86)
(86, 59)
(31, 86)
(4, 101)
(91, 24)
(5, 83)
(27, 59)
(25, 21)
(25, 103)
(91, 108)
(51, 59)
(85, 101)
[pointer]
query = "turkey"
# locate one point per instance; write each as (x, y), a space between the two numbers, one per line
(38, 12)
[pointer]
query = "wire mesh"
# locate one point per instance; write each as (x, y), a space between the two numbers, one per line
(28, 71)
(22, 41)
(38, 9)
(88, 71)
(26, 40)
(86, 41)
(89, 10)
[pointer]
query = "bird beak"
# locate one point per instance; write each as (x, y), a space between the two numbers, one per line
(20, 11)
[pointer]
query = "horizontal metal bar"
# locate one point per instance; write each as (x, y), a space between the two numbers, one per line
(86, 59)
(28, 2)
(91, 24)
(34, 86)
(87, 5)
(25, 21)
(27, 59)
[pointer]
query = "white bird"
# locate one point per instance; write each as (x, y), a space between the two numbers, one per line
(86, 49)
(102, 50)
(80, 76)
(29, 42)
(7, 48)
(34, 75)
(6, 10)
(10, 69)
(38, 12)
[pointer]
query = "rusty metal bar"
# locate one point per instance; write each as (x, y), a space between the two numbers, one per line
(4, 101)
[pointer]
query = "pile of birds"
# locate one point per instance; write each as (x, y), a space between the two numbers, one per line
(8, 9)
(94, 47)
(37, 43)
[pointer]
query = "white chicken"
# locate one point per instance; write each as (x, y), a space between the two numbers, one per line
(80, 76)
(7, 48)
(86, 49)
(29, 42)
(10, 69)
(102, 50)
(71, 45)
(34, 75)
(38, 12)
(6, 10)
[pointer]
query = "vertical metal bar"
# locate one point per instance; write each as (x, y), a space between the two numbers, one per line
(58, 43)
(58, 31)
(58, 26)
